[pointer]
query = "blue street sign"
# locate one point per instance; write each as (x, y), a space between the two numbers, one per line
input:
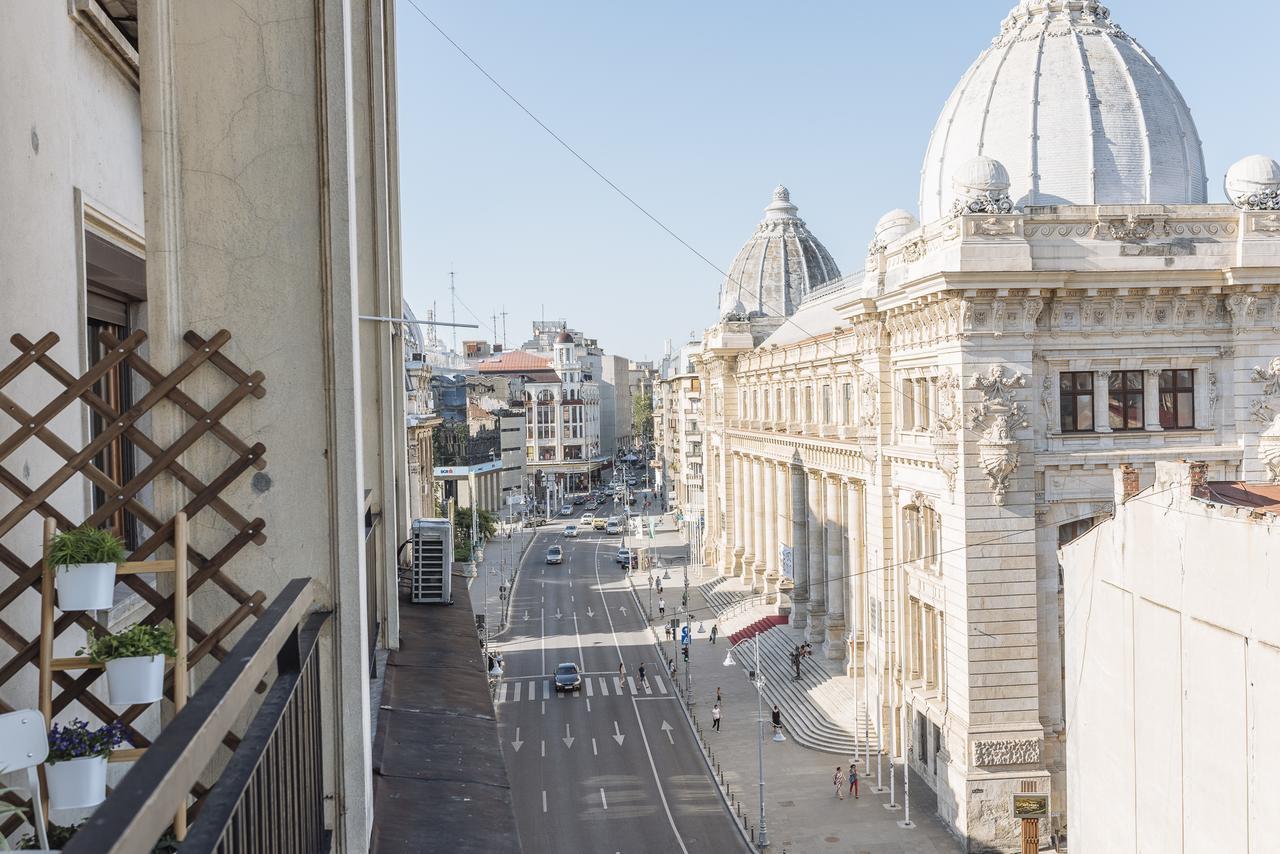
(684, 635)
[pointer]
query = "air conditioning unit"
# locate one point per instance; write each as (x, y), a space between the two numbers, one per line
(431, 570)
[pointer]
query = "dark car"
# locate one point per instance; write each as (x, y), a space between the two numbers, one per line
(567, 677)
(579, 499)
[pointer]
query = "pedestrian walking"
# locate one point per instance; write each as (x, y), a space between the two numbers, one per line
(715, 717)
(853, 780)
(622, 670)
(715, 630)
(838, 779)
(643, 679)
(795, 662)
(662, 606)
(777, 724)
(717, 695)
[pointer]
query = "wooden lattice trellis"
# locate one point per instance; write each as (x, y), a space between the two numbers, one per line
(200, 423)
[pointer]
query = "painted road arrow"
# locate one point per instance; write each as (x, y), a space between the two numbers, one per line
(517, 744)
(568, 739)
(666, 728)
(617, 734)
(558, 615)
(526, 616)
(623, 609)
(590, 613)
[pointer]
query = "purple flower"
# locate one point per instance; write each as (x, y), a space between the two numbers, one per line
(76, 740)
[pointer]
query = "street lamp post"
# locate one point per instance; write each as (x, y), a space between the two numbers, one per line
(764, 837)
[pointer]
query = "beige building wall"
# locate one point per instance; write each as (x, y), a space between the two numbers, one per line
(1173, 674)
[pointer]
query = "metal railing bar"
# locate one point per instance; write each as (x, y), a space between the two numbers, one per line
(244, 772)
(143, 803)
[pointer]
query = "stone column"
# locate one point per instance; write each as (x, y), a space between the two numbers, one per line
(855, 567)
(799, 545)
(739, 498)
(769, 479)
(757, 525)
(781, 524)
(836, 570)
(817, 560)
(1101, 409)
(1151, 400)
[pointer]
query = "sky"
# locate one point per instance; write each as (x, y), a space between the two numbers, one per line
(697, 110)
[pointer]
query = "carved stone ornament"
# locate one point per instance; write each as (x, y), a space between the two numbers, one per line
(1240, 307)
(1269, 223)
(1265, 200)
(1133, 228)
(946, 444)
(869, 405)
(915, 250)
(997, 416)
(1269, 449)
(989, 202)
(1007, 751)
(1263, 411)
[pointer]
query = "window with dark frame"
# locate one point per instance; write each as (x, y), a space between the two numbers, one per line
(1075, 401)
(1177, 399)
(1124, 400)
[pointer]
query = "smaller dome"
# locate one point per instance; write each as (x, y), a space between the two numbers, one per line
(564, 337)
(896, 223)
(1254, 183)
(982, 174)
(981, 185)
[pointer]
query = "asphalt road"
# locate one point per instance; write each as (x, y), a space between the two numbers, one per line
(611, 767)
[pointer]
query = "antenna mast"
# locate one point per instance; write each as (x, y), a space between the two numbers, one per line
(453, 301)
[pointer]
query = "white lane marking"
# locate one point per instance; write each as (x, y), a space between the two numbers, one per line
(604, 687)
(519, 685)
(544, 747)
(543, 639)
(544, 802)
(640, 721)
(590, 692)
(647, 688)
(656, 779)
(603, 799)
(617, 734)
(617, 684)
(581, 658)
(662, 688)
(517, 744)
(594, 752)
(544, 707)
(546, 689)
(502, 693)
(588, 704)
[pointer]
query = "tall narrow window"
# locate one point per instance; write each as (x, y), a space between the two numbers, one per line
(808, 404)
(847, 403)
(826, 405)
(1124, 400)
(1177, 399)
(908, 405)
(1075, 401)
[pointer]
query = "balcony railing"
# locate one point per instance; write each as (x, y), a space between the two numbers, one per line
(270, 795)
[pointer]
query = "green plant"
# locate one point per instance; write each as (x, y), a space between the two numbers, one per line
(59, 836)
(85, 545)
(135, 641)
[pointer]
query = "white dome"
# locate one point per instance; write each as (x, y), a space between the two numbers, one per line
(896, 223)
(1253, 182)
(778, 266)
(1076, 110)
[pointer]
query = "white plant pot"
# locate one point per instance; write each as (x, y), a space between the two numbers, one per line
(85, 586)
(135, 680)
(77, 783)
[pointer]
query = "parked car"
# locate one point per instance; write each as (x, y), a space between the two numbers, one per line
(555, 554)
(623, 557)
(567, 677)
(570, 530)
(566, 509)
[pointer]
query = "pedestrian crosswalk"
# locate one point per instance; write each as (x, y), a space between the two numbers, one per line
(524, 690)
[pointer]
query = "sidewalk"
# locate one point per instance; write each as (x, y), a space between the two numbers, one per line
(497, 568)
(801, 810)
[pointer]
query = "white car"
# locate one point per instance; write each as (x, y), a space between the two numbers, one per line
(623, 557)
(571, 530)
(613, 526)
(566, 510)
(587, 519)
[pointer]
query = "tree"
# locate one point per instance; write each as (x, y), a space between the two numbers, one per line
(642, 417)
(486, 527)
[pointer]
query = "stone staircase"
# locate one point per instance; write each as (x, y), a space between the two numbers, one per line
(763, 624)
(723, 592)
(819, 710)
